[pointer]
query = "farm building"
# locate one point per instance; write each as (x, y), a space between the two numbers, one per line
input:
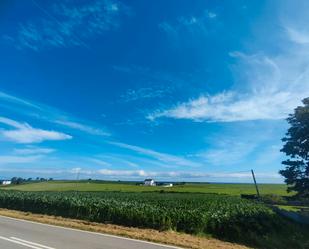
(168, 185)
(149, 182)
(5, 182)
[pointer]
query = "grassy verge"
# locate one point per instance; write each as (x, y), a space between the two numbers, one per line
(164, 237)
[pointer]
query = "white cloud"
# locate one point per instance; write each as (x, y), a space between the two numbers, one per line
(268, 84)
(269, 155)
(229, 153)
(230, 107)
(265, 175)
(169, 29)
(68, 24)
(195, 24)
(32, 135)
(99, 162)
(167, 158)
(24, 133)
(75, 170)
(133, 165)
(269, 88)
(298, 36)
(41, 172)
(211, 15)
(122, 173)
(11, 123)
(46, 114)
(135, 161)
(243, 146)
(33, 151)
(144, 93)
(118, 159)
(82, 127)
(18, 159)
(15, 100)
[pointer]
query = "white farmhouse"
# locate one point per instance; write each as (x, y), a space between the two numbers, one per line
(5, 182)
(149, 182)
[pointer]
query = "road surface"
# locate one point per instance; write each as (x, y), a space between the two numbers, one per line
(20, 234)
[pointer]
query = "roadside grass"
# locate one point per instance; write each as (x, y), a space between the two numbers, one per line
(215, 188)
(290, 236)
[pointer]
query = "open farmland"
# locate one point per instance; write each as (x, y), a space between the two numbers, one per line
(215, 188)
(225, 217)
(204, 209)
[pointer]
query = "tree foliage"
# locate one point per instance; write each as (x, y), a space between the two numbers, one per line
(296, 147)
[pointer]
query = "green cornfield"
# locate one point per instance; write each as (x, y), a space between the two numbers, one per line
(221, 215)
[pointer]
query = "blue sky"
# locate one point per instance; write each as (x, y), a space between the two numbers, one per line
(174, 90)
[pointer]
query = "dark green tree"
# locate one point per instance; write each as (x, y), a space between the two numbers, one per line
(17, 180)
(296, 147)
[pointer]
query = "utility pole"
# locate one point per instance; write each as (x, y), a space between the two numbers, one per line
(256, 186)
(77, 178)
(77, 175)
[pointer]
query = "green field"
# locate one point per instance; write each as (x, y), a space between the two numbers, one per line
(215, 188)
(210, 209)
(225, 217)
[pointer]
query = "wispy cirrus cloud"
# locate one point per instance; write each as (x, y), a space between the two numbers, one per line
(30, 150)
(99, 162)
(144, 93)
(68, 23)
(163, 157)
(153, 84)
(232, 106)
(24, 133)
(267, 85)
(194, 25)
(269, 89)
(13, 99)
(300, 37)
(229, 153)
(4, 160)
(115, 160)
(83, 127)
(47, 114)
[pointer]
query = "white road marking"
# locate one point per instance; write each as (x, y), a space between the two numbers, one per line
(32, 243)
(95, 233)
(19, 243)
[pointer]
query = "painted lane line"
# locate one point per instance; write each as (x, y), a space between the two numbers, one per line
(32, 243)
(20, 243)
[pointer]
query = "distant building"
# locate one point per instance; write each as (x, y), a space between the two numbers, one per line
(149, 182)
(5, 182)
(168, 185)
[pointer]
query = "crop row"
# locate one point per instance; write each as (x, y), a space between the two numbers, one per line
(191, 213)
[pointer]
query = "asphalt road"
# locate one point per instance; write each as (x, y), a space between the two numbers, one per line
(20, 234)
